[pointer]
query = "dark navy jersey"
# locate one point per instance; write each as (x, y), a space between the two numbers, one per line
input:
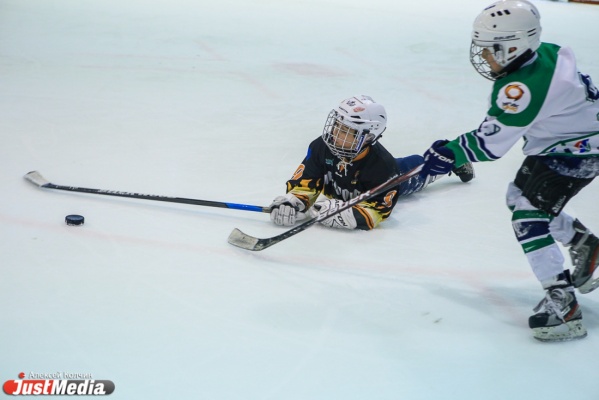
(322, 173)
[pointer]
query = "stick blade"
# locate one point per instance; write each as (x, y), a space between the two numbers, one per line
(247, 242)
(36, 178)
(240, 239)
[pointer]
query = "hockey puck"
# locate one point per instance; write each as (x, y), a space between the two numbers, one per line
(74, 220)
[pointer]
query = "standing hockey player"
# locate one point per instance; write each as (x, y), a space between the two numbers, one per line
(344, 162)
(539, 95)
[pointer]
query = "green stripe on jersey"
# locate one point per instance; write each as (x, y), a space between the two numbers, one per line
(471, 144)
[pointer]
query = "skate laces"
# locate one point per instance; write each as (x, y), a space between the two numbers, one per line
(553, 303)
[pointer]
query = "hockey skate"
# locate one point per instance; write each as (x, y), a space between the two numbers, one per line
(558, 316)
(584, 252)
(465, 172)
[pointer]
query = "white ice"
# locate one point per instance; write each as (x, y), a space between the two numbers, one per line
(218, 101)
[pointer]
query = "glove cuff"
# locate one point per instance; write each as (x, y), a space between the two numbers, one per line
(295, 202)
(289, 199)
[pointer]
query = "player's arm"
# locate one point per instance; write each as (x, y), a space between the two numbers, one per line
(306, 184)
(506, 122)
(369, 214)
(302, 190)
(489, 142)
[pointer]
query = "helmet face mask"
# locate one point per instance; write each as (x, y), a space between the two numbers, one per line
(504, 36)
(490, 62)
(355, 124)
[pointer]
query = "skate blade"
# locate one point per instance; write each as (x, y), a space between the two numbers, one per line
(571, 330)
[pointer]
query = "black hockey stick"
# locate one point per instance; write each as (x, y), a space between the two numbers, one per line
(247, 242)
(37, 179)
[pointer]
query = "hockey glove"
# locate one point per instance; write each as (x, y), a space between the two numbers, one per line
(345, 219)
(438, 159)
(285, 210)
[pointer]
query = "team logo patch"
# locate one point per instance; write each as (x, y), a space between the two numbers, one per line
(513, 98)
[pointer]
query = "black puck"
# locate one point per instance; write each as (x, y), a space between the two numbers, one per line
(73, 220)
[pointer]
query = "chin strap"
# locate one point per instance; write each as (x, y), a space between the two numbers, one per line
(527, 56)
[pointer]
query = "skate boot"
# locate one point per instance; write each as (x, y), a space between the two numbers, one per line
(558, 316)
(584, 251)
(465, 172)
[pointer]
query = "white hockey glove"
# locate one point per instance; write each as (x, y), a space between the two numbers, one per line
(286, 210)
(345, 219)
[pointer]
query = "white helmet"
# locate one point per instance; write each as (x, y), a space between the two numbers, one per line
(510, 31)
(354, 124)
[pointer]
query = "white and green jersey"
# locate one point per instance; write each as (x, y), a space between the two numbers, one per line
(548, 102)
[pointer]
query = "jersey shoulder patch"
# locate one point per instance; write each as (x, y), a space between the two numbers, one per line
(518, 97)
(513, 98)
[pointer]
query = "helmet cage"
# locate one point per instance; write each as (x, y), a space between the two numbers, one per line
(480, 63)
(345, 138)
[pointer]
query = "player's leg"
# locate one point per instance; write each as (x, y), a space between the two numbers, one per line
(419, 182)
(561, 179)
(536, 198)
(416, 183)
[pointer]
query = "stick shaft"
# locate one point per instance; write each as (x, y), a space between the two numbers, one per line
(248, 242)
(37, 179)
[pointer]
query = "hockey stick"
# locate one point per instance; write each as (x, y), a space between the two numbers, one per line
(37, 179)
(247, 242)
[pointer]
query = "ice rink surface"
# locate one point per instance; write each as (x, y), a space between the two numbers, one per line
(218, 101)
